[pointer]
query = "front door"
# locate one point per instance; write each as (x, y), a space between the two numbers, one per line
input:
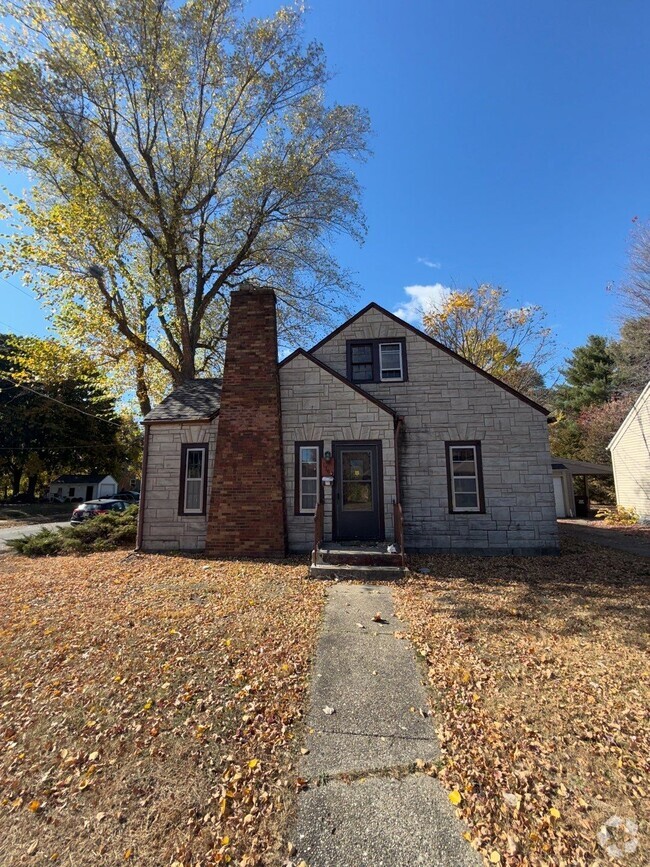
(358, 512)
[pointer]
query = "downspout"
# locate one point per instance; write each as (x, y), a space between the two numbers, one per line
(143, 487)
(399, 426)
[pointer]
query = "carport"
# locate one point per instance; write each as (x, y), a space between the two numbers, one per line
(567, 504)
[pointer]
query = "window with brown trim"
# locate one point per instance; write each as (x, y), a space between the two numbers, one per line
(193, 479)
(377, 360)
(465, 476)
(307, 477)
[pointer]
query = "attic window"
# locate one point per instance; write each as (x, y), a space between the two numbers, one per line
(390, 361)
(361, 362)
(377, 360)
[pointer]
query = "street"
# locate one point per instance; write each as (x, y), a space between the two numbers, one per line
(26, 530)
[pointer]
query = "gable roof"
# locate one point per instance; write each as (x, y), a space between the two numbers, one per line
(77, 479)
(629, 418)
(337, 375)
(196, 400)
(374, 306)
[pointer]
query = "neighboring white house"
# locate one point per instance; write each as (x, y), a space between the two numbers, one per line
(630, 450)
(88, 487)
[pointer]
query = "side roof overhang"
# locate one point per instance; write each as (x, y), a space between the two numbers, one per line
(197, 400)
(374, 306)
(629, 418)
(311, 358)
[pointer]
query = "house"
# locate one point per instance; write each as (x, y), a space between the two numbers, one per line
(630, 451)
(88, 487)
(377, 434)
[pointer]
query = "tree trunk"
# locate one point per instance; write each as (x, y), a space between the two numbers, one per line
(141, 390)
(16, 477)
(31, 485)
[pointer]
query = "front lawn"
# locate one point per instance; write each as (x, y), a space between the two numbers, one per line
(541, 672)
(148, 708)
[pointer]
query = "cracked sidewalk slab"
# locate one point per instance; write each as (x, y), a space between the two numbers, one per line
(381, 724)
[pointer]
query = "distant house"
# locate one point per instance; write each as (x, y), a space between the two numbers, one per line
(630, 451)
(88, 487)
(378, 434)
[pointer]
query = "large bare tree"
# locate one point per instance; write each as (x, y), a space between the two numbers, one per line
(176, 149)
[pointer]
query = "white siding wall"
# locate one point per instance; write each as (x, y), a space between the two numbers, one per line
(445, 400)
(631, 460)
(318, 406)
(163, 528)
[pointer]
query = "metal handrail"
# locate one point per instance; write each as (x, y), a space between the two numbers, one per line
(319, 529)
(398, 520)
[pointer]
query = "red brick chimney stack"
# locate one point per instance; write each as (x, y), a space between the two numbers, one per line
(246, 516)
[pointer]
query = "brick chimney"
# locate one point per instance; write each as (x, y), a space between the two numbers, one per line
(246, 516)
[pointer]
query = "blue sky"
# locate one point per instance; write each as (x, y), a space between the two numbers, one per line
(511, 145)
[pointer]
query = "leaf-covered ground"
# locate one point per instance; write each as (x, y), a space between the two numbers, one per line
(541, 670)
(148, 708)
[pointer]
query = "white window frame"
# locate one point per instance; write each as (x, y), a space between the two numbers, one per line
(399, 378)
(301, 478)
(476, 477)
(200, 480)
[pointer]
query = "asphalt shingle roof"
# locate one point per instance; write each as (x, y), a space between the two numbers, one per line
(77, 479)
(192, 401)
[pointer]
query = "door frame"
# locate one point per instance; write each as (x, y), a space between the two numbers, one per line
(377, 445)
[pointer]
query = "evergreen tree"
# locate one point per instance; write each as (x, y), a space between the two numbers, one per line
(589, 376)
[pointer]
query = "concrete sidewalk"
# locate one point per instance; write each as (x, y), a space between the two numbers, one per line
(366, 804)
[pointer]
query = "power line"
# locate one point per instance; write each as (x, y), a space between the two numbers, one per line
(61, 402)
(20, 289)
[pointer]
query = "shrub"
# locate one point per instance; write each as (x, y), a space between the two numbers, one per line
(621, 516)
(103, 533)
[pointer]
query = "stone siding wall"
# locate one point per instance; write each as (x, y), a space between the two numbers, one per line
(318, 406)
(163, 528)
(444, 400)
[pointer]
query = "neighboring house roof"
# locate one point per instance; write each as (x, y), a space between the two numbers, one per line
(629, 418)
(341, 378)
(581, 468)
(197, 400)
(92, 479)
(436, 343)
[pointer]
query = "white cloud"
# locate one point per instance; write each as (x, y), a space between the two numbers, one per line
(424, 261)
(420, 298)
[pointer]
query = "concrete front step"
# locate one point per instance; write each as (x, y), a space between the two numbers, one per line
(349, 572)
(357, 557)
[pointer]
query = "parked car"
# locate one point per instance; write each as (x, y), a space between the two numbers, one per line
(92, 508)
(22, 498)
(128, 496)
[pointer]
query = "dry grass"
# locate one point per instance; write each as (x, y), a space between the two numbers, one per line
(540, 667)
(148, 708)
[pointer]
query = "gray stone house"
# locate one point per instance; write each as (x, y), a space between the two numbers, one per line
(378, 434)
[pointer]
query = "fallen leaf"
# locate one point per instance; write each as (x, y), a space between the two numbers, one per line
(495, 857)
(455, 797)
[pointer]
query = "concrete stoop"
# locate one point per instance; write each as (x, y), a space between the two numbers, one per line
(366, 563)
